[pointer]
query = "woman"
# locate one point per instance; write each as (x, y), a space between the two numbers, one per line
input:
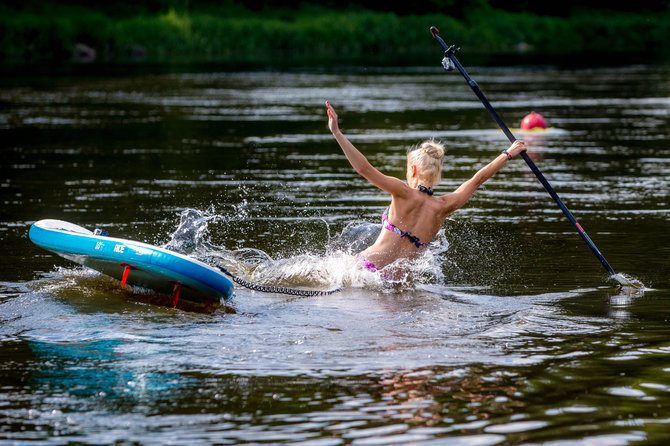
(414, 214)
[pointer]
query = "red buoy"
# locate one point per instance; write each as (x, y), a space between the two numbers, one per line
(533, 121)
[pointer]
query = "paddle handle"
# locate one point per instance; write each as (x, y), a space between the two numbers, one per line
(449, 52)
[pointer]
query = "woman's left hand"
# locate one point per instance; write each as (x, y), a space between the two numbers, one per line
(332, 118)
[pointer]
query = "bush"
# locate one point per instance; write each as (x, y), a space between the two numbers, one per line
(311, 34)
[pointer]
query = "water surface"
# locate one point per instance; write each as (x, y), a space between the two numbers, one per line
(506, 331)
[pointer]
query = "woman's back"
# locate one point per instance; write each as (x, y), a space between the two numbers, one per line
(418, 216)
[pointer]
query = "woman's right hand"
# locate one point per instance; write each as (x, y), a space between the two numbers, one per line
(517, 147)
(332, 118)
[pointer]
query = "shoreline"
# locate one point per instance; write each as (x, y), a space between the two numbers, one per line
(311, 36)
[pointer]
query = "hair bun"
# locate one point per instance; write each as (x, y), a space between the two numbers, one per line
(433, 149)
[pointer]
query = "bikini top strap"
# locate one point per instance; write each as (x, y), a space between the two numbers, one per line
(425, 189)
(391, 227)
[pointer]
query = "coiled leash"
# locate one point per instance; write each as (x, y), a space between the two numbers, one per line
(276, 289)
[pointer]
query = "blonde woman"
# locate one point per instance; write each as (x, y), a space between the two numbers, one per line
(415, 214)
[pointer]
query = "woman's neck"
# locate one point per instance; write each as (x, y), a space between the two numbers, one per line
(414, 183)
(425, 189)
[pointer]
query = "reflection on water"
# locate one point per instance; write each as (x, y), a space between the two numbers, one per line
(506, 331)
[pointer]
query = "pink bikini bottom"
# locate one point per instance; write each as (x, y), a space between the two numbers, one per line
(365, 263)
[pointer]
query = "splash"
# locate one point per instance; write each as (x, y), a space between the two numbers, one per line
(191, 231)
(629, 284)
(335, 267)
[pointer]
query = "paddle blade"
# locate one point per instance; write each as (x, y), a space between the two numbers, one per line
(627, 281)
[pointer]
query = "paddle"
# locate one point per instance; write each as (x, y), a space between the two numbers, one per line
(449, 62)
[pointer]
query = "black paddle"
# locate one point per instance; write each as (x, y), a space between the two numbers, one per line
(449, 63)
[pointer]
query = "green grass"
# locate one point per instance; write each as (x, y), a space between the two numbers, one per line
(312, 35)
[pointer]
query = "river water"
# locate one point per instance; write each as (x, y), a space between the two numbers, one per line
(506, 331)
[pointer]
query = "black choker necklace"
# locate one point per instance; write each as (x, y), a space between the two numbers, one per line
(425, 189)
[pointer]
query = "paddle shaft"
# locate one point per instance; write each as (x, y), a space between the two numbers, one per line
(449, 52)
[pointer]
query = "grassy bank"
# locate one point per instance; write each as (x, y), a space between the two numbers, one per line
(310, 35)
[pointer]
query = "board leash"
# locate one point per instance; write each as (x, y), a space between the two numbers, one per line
(276, 289)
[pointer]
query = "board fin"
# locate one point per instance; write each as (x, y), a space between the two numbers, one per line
(126, 271)
(175, 293)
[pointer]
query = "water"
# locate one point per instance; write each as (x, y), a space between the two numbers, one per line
(507, 331)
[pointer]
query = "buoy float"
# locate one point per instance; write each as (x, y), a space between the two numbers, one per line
(533, 121)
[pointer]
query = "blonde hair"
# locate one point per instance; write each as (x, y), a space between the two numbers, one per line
(427, 157)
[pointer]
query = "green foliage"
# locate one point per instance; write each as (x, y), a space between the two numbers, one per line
(32, 38)
(226, 32)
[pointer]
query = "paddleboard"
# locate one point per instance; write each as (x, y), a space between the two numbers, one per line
(136, 263)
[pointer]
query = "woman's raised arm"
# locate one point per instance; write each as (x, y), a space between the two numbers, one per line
(388, 184)
(460, 196)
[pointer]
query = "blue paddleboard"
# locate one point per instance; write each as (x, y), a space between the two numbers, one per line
(135, 263)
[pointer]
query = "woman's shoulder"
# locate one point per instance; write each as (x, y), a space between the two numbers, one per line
(401, 191)
(448, 202)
